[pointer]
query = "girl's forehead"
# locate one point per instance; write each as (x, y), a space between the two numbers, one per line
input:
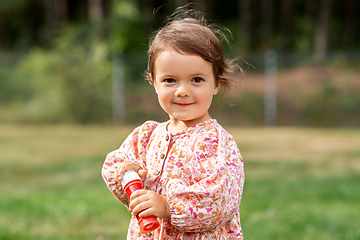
(173, 51)
(169, 56)
(170, 52)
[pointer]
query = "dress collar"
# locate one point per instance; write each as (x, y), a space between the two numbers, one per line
(188, 129)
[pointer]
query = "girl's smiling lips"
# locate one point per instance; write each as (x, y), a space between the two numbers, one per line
(183, 104)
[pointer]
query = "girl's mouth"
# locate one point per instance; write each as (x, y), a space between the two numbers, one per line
(183, 104)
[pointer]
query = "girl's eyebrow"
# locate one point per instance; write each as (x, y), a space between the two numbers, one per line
(200, 74)
(166, 76)
(169, 75)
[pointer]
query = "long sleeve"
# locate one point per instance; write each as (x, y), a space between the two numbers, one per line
(133, 149)
(213, 194)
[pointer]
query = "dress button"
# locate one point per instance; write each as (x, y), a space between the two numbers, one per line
(148, 234)
(167, 138)
(162, 156)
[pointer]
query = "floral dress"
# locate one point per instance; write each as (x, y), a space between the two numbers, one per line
(199, 170)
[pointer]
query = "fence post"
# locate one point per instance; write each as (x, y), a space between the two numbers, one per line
(118, 92)
(270, 101)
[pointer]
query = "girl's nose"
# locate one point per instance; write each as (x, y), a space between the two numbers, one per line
(182, 91)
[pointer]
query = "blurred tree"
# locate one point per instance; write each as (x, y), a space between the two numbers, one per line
(351, 18)
(244, 22)
(268, 22)
(56, 14)
(286, 29)
(96, 10)
(4, 38)
(321, 37)
(260, 23)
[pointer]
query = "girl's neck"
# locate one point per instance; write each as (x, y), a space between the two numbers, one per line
(176, 125)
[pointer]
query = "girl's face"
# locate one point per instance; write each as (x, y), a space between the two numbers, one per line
(185, 85)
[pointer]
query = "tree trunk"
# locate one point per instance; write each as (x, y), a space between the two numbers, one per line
(49, 21)
(287, 13)
(61, 11)
(351, 18)
(4, 37)
(244, 22)
(268, 22)
(56, 13)
(96, 11)
(321, 37)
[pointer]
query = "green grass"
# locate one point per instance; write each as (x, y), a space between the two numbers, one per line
(59, 201)
(300, 183)
(302, 209)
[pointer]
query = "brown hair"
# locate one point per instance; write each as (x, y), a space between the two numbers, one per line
(188, 32)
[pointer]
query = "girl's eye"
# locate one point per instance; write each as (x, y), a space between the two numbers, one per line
(169, 80)
(197, 79)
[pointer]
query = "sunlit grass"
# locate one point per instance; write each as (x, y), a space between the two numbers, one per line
(300, 183)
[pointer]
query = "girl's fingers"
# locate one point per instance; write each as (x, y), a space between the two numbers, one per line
(138, 201)
(137, 194)
(141, 208)
(147, 203)
(147, 212)
(120, 171)
(142, 173)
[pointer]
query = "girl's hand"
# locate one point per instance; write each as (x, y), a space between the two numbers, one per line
(151, 203)
(124, 167)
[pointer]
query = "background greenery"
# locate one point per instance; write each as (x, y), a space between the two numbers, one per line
(300, 183)
(57, 58)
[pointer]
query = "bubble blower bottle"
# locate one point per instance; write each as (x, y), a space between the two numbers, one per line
(130, 183)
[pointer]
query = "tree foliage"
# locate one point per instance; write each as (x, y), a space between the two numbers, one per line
(256, 24)
(67, 46)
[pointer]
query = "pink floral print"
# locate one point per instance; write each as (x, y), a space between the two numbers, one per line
(199, 170)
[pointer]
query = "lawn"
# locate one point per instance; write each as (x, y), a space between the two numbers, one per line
(301, 183)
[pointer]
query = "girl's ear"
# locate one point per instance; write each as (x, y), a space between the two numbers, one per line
(217, 88)
(153, 82)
